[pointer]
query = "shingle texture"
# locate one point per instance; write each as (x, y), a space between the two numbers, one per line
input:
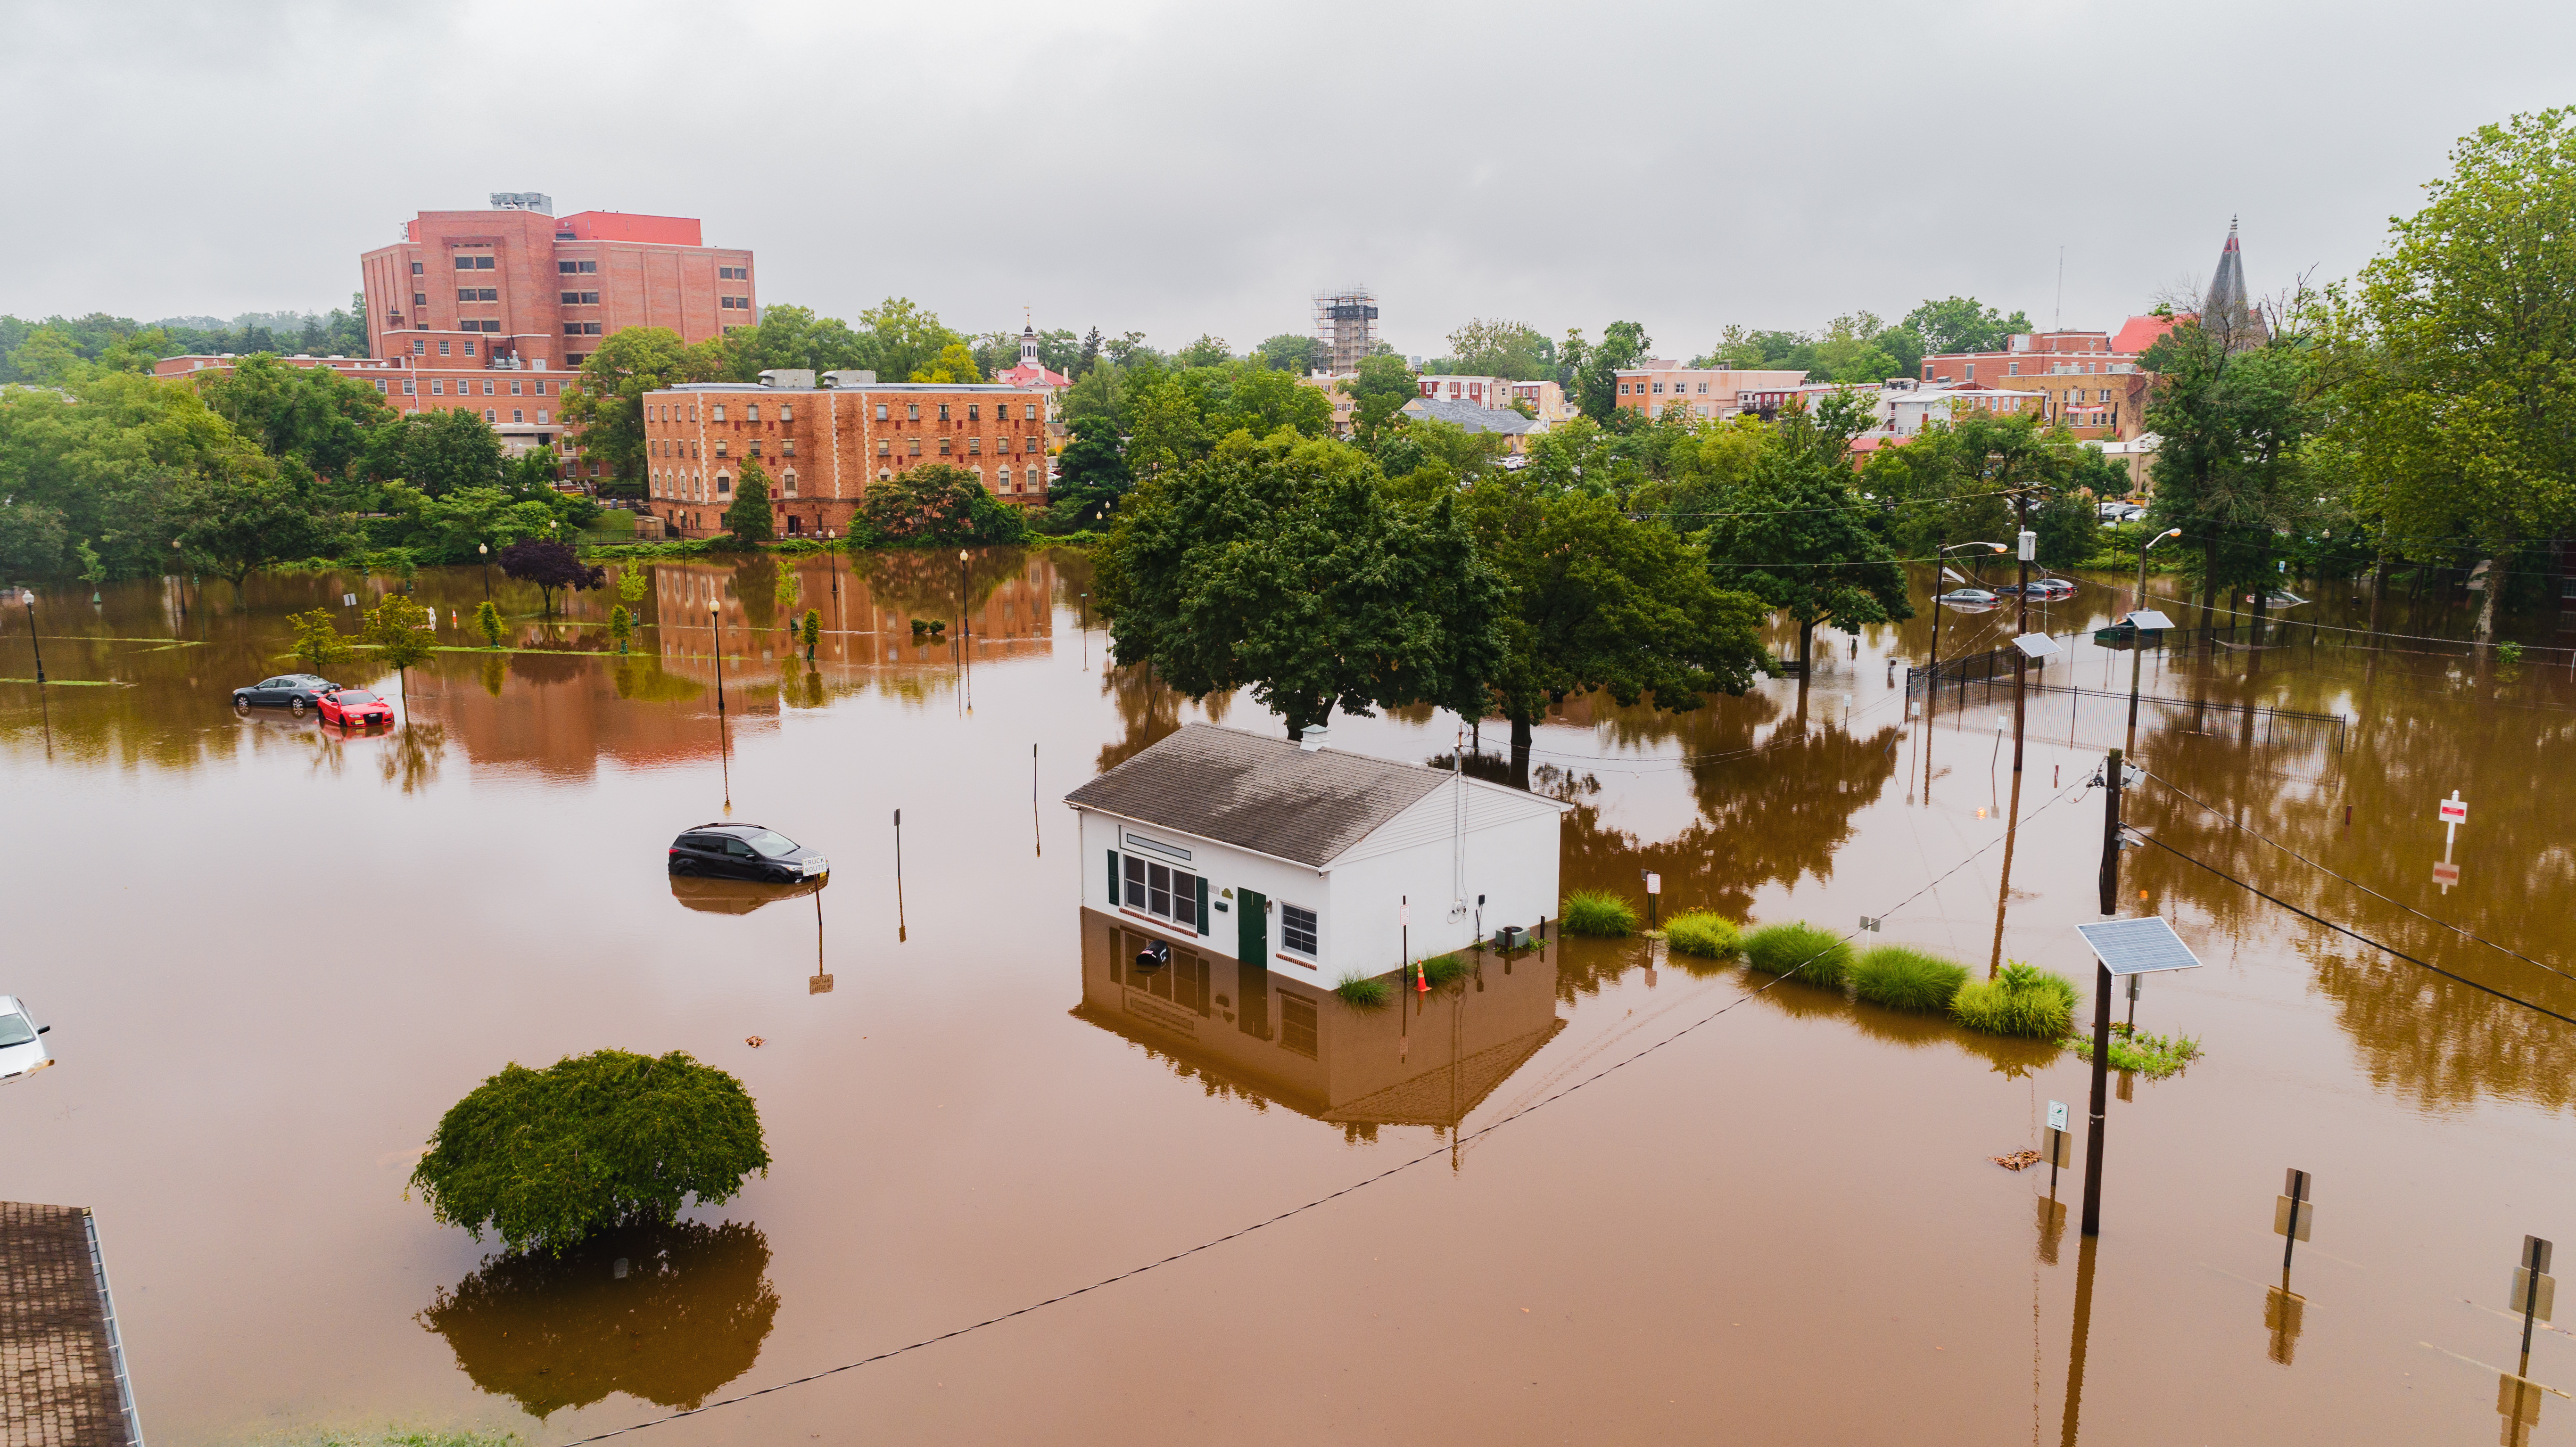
(57, 1372)
(1262, 794)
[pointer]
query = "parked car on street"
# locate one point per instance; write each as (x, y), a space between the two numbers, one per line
(2047, 590)
(1969, 598)
(354, 706)
(298, 691)
(21, 1053)
(745, 851)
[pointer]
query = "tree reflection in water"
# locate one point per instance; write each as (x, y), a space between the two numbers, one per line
(411, 757)
(1150, 711)
(552, 1332)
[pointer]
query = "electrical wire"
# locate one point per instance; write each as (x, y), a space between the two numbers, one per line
(2342, 930)
(2461, 931)
(1437, 1152)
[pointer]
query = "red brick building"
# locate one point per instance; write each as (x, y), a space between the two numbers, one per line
(823, 441)
(2090, 380)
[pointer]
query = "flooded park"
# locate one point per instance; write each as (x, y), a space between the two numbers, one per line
(1593, 1192)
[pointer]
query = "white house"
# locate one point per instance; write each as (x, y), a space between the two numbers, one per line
(1308, 860)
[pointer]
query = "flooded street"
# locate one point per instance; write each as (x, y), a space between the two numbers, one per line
(1599, 1195)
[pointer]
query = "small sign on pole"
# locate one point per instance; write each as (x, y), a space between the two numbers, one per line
(2057, 1115)
(2455, 810)
(348, 600)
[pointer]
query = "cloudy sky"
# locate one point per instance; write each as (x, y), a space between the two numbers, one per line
(1179, 169)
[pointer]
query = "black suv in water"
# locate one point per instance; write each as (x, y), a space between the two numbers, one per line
(745, 851)
(295, 690)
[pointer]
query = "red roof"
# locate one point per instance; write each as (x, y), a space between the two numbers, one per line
(630, 226)
(2139, 333)
(1026, 375)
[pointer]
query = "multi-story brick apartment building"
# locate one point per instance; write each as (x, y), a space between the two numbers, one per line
(2091, 380)
(1657, 387)
(823, 440)
(525, 406)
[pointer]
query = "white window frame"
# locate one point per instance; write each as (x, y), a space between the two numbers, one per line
(1318, 932)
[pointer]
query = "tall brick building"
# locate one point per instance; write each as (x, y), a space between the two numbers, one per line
(824, 440)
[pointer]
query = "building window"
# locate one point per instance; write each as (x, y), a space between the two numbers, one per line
(517, 417)
(416, 268)
(884, 447)
(1703, 386)
(420, 298)
(514, 388)
(1297, 929)
(1006, 480)
(943, 411)
(576, 268)
(881, 411)
(912, 447)
(1161, 890)
(720, 448)
(974, 446)
(572, 329)
(419, 345)
(408, 385)
(716, 414)
(787, 484)
(541, 388)
(751, 412)
(469, 348)
(973, 413)
(442, 349)
(380, 387)
(755, 447)
(724, 485)
(912, 411)
(787, 447)
(437, 388)
(786, 411)
(541, 418)
(944, 449)
(1029, 411)
(464, 263)
(1659, 389)
(488, 415)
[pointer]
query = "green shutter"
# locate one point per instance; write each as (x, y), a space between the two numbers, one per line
(1203, 903)
(1113, 876)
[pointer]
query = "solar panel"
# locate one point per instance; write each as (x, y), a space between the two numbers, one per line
(2150, 618)
(2142, 946)
(2036, 645)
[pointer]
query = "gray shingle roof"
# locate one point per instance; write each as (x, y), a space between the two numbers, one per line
(1473, 416)
(1263, 794)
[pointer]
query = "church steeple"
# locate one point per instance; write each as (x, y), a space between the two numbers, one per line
(2226, 310)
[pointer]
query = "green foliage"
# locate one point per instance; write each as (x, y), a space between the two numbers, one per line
(438, 452)
(1367, 992)
(545, 1157)
(1704, 933)
(318, 642)
(2234, 415)
(1598, 913)
(634, 582)
(1801, 541)
(400, 629)
(939, 504)
(312, 414)
(810, 632)
(621, 626)
(608, 405)
(1962, 324)
(1291, 352)
(1207, 351)
(908, 340)
(1500, 348)
(1907, 979)
(60, 349)
(487, 621)
(1442, 970)
(1100, 393)
(1592, 371)
(1817, 956)
(1091, 474)
(2153, 1056)
(2023, 1000)
(448, 529)
(953, 363)
(747, 518)
(1598, 601)
(1278, 564)
(1378, 391)
(93, 569)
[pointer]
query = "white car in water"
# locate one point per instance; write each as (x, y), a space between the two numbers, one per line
(21, 1052)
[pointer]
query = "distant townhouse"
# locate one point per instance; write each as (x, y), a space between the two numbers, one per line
(1477, 418)
(1656, 387)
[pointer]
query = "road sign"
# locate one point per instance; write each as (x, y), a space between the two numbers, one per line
(2446, 874)
(2454, 810)
(2293, 1218)
(350, 600)
(1654, 884)
(2057, 1115)
(2059, 1150)
(1870, 922)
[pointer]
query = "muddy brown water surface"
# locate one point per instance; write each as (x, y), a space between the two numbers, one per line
(273, 954)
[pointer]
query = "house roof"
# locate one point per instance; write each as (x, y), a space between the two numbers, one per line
(1473, 416)
(2139, 333)
(1267, 795)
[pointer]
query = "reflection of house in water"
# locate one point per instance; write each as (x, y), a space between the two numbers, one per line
(1425, 1060)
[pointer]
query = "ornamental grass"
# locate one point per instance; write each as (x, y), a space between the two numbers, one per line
(1902, 978)
(1706, 934)
(1600, 913)
(1816, 956)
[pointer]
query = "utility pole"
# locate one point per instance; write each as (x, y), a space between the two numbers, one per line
(2021, 664)
(2111, 779)
(2110, 901)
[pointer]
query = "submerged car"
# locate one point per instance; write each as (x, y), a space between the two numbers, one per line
(1969, 598)
(21, 1052)
(745, 851)
(2047, 590)
(354, 706)
(298, 691)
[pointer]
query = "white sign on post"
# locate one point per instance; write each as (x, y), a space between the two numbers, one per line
(2455, 810)
(2057, 1115)
(1654, 884)
(348, 600)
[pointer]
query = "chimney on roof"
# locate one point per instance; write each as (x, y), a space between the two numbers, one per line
(1312, 739)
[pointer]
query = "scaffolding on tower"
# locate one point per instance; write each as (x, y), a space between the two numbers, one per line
(1346, 324)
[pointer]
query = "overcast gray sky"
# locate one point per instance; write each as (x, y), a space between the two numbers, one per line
(1184, 168)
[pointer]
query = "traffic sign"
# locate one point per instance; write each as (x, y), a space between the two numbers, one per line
(2057, 1115)
(2454, 810)
(2446, 874)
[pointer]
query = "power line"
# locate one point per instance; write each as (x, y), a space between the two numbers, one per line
(1456, 1141)
(2365, 939)
(2461, 931)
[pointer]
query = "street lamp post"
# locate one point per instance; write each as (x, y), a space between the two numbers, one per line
(715, 620)
(1936, 594)
(2026, 547)
(28, 596)
(965, 625)
(486, 550)
(2139, 603)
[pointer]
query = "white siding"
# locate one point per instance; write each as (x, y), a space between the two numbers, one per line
(1225, 868)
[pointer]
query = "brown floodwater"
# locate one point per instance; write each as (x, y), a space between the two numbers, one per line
(273, 953)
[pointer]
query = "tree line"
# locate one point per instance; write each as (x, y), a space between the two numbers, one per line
(48, 352)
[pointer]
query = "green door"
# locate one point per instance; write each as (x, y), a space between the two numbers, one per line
(1252, 928)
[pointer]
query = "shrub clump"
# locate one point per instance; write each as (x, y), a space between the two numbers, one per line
(1368, 992)
(2153, 1056)
(1907, 979)
(545, 1157)
(2024, 1000)
(1779, 949)
(1443, 969)
(1708, 935)
(1598, 912)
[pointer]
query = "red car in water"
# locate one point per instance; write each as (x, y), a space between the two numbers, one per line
(354, 706)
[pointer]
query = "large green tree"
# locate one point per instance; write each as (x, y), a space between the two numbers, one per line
(1600, 601)
(1091, 474)
(438, 451)
(2233, 423)
(608, 405)
(1800, 538)
(908, 339)
(1378, 391)
(747, 517)
(1501, 348)
(1594, 386)
(938, 503)
(2453, 356)
(233, 522)
(313, 414)
(1962, 324)
(1281, 565)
